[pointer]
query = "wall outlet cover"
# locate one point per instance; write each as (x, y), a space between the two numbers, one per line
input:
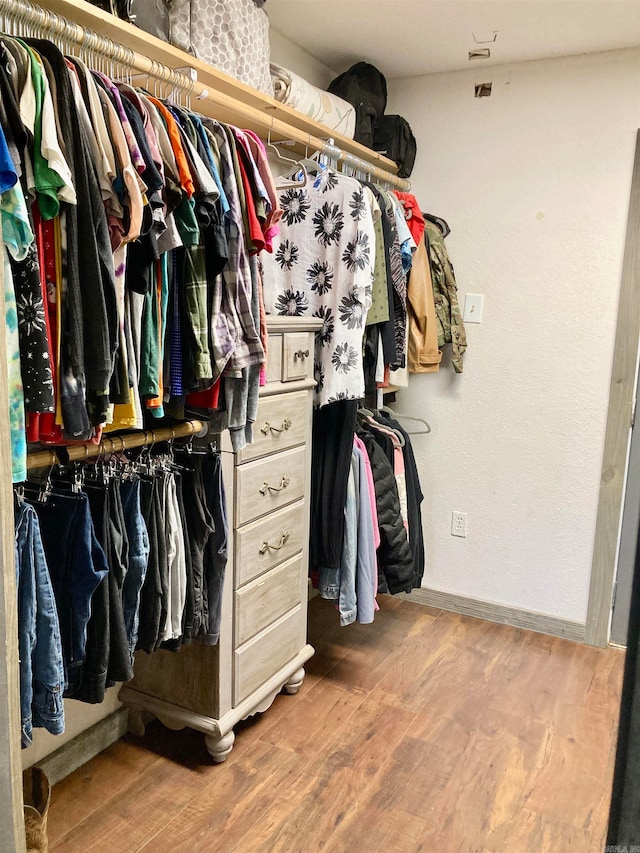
(459, 524)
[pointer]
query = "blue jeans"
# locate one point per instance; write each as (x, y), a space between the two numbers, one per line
(40, 645)
(77, 564)
(217, 548)
(138, 558)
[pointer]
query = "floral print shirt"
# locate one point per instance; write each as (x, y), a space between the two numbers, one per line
(322, 266)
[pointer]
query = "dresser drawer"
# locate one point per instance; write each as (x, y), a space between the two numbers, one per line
(281, 423)
(297, 356)
(262, 601)
(260, 658)
(274, 358)
(263, 544)
(266, 484)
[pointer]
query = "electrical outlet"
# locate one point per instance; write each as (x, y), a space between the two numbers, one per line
(459, 524)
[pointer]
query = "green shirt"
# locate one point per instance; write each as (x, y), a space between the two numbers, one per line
(48, 182)
(445, 295)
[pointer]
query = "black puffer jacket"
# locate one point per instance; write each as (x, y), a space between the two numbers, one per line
(395, 564)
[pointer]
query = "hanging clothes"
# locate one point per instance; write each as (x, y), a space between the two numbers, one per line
(110, 558)
(162, 211)
(42, 678)
(414, 497)
(395, 563)
(17, 237)
(368, 536)
(333, 429)
(77, 565)
(322, 267)
(382, 546)
(450, 326)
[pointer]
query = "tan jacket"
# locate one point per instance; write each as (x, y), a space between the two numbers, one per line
(424, 355)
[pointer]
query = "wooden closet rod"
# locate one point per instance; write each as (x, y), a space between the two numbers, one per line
(238, 105)
(45, 458)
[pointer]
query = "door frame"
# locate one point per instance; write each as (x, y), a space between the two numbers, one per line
(629, 525)
(619, 420)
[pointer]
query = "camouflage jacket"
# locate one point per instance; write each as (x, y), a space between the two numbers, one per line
(445, 293)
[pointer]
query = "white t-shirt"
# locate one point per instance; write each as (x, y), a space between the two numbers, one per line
(322, 266)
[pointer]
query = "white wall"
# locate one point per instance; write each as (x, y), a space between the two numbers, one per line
(290, 55)
(534, 182)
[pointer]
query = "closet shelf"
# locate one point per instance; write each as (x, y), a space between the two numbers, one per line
(227, 99)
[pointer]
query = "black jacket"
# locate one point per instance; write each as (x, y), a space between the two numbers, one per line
(414, 499)
(395, 564)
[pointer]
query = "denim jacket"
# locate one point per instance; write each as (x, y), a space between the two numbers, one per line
(40, 645)
(77, 564)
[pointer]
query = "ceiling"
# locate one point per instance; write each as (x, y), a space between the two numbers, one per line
(406, 38)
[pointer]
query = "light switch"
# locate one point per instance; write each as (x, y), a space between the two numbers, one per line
(473, 304)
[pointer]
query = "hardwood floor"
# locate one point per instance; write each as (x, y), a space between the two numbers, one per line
(426, 731)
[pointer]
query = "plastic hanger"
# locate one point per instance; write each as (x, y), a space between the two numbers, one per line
(368, 416)
(312, 164)
(299, 167)
(401, 417)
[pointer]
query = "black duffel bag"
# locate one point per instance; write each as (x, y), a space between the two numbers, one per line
(392, 136)
(364, 86)
(119, 8)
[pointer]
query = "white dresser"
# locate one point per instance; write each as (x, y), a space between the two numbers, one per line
(263, 637)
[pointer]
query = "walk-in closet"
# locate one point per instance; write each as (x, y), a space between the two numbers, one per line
(317, 460)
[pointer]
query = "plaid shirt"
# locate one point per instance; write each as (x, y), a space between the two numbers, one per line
(234, 329)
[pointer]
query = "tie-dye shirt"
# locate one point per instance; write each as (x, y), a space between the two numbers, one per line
(17, 236)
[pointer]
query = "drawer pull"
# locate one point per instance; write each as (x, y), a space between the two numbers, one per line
(301, 353)
(266, 546)
(267, 428)
(283, 485)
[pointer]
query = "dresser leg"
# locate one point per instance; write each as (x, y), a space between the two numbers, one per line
(293, 684)
(171, 723)
(219, 748)
(138, 721)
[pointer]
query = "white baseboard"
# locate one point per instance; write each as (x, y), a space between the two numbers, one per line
(502, 613)
(84, 747)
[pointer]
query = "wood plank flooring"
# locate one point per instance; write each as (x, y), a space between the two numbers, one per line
(426, 731)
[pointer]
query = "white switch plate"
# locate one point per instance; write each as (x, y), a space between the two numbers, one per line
(473, 305)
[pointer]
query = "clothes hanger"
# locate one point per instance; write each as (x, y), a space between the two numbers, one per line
(368, 417)
(400, 417)
(299, 167)
(18, 497)
(312, 163)
(190, 449)
(39, 491)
